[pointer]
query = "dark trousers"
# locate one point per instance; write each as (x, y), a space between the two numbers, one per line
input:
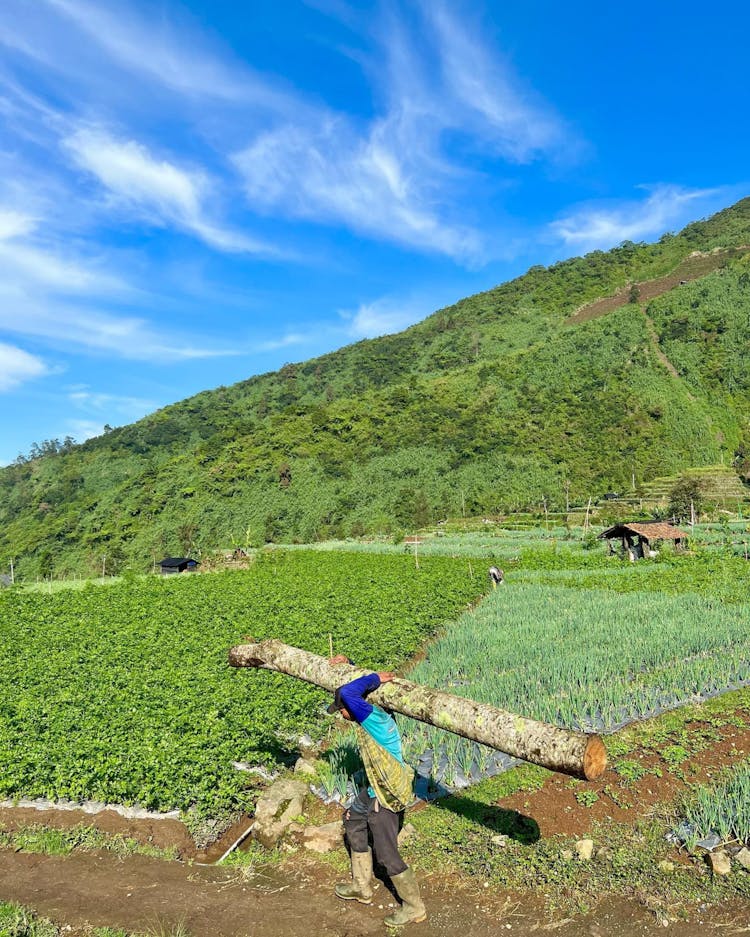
(367, 819)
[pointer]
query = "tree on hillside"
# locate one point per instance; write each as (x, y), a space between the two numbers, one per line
(686, 497)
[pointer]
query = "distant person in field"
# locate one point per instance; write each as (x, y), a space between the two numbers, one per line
(496, 576)
(377, 813)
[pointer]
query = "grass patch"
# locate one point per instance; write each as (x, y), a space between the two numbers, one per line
(17, 921)
(55, 842)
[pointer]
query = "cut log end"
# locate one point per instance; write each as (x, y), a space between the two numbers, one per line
(241, 656)
(594, 758)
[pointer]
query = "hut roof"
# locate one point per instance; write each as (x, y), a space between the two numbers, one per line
(172, 562)
(651, 530)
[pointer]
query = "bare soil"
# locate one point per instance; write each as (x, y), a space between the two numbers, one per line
(692, 268)
(556, 810)
(139, 893)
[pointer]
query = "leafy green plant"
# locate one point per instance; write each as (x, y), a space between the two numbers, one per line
(586, 798)
(123, 694)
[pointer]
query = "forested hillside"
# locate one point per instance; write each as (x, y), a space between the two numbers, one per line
(505, 399)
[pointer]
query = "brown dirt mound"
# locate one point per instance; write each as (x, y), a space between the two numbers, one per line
(624, 799)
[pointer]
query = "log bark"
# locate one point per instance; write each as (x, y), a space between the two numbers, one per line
(574, 753)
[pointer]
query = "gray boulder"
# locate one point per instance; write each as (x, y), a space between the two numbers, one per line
(278, 807)
(324, 838)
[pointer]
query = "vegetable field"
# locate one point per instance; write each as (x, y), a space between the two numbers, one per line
(123, 694)
(587, 649)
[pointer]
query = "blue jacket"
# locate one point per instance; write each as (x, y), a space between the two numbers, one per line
(374, 720)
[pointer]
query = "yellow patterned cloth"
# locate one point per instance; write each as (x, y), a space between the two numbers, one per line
(392, 781)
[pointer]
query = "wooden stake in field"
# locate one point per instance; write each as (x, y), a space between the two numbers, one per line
(575, 753)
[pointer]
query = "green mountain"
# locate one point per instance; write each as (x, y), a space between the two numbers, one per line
(559, 385)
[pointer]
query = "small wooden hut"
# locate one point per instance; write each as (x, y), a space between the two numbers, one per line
(637, 540)
(178, 564)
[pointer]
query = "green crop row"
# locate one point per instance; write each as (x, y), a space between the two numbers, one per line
(722, 808)
(587, 659)
(123, 694)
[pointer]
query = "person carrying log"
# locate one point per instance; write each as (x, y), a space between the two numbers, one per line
(378, 810)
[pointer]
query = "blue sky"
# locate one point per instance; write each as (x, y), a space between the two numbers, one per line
(194, 193)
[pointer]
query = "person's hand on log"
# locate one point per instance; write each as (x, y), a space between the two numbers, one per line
(386, 676)
(339, 659)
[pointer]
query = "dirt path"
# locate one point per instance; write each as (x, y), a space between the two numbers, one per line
(139, 893)
(654, 338)
(692, 268)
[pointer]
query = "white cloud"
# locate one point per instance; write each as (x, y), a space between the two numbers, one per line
(102, 332)
(330, 174)
(53, 294)
(14, 223)
(384, 316)
(81, 430)
(21, 263)
(155, 188)
(395, 177)
(286, 341)
(482, 95)
(167, 48)
(18, 366)
(84, 398)
(601, 226)
(100, 408)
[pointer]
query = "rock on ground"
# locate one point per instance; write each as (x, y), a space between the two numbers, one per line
(720, 862)
(585, 849)
(277, 809)
(324, 838)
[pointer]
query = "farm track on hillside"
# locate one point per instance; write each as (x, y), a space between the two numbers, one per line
(143, 893)
(692, 268)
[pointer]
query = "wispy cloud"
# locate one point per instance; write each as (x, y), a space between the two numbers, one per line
(384, 316)
(600, 226)
(81, 430)
(18, 366)
(154, 188)
(51, 292)
(441, 89)
(396, 177)
(332, 174)
(167, 48)
(100, 408)
(14, 224)
(481, 94)
(83, 397)
(97, 331)
(286, 341)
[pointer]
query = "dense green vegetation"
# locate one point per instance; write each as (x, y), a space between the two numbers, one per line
(722, 808)
(124, 694)
(559, 655)
(499, 402)
(587, 642)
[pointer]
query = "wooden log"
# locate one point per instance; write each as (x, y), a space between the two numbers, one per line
(574, 753)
